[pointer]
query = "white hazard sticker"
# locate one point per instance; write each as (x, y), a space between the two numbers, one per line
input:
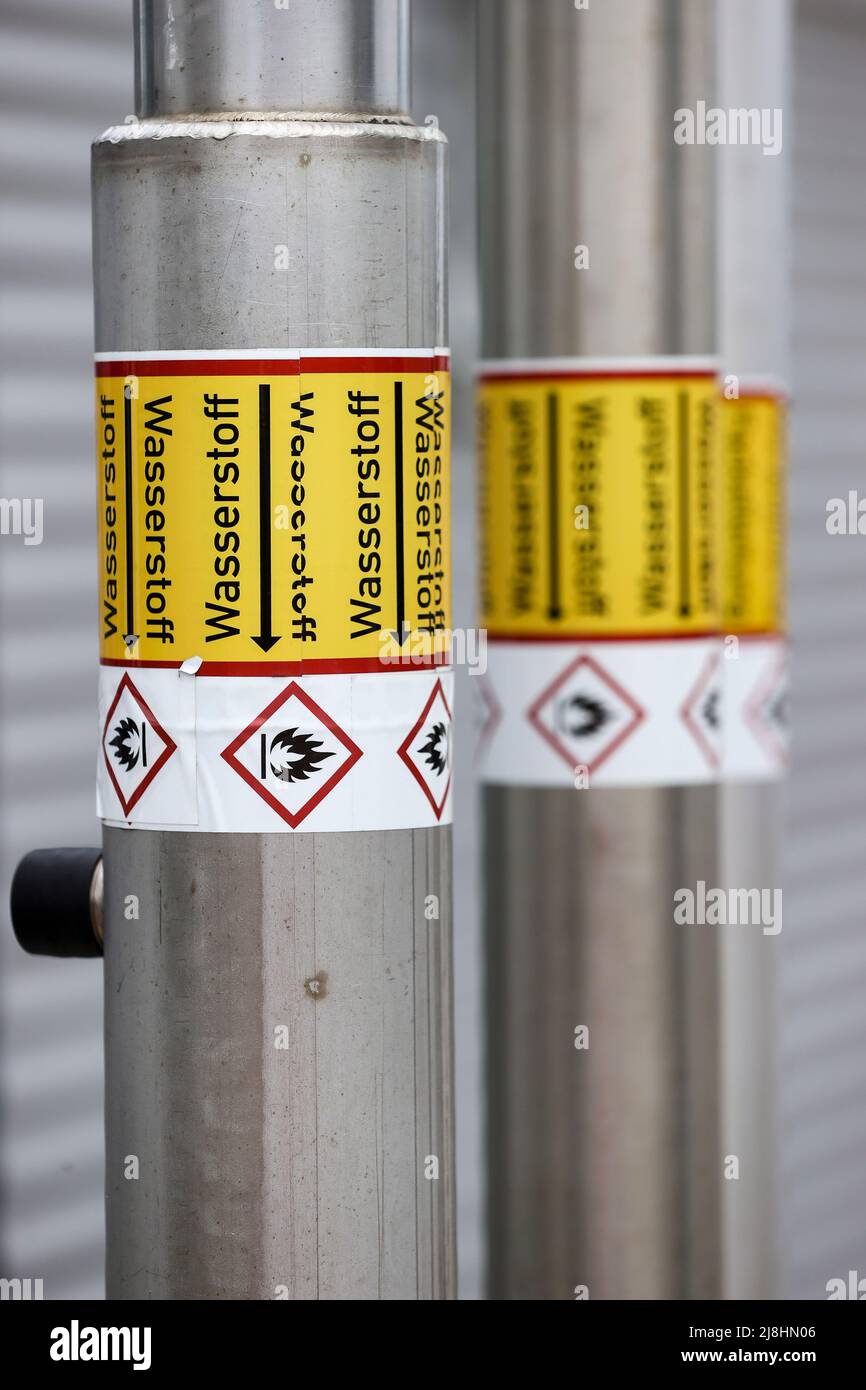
(134, 744)
(426, 750)
(292, 754)
(486, 710)
(617, 713)
(756, 698)
(369, 751)
(585, 715)
(702, 711)
(146, 759)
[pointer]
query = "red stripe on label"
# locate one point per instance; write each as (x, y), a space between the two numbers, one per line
(201, 366)
(771, 397)
(564, 637)
(346, 667)
(264, 366)
(633, 374)
(390, 365)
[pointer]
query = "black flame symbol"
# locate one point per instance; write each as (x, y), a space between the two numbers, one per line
(127, 743)
(711, 711)
(778, 712)
(595, 716)
(436, 750)
(294, 756)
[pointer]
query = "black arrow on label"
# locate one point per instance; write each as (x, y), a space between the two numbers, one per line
(130, 637)
(685, 519)
(554, 610)
(266, 638)
(401, 631)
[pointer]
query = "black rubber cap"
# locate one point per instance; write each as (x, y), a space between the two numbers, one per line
(50, 902)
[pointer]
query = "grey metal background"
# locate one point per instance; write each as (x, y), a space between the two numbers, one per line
(823, 985)
(65, 74)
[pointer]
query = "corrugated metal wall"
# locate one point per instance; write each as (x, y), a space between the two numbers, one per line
(65, 73)
(824, 953)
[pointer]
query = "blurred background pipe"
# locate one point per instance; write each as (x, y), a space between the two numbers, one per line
(604, 1166)
(754, 323)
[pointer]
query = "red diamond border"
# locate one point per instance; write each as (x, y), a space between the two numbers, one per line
(774, 748)
(493, 710)
(355, 754)
(712, 663)
(167, 752)
(403, 750)
(533, 714)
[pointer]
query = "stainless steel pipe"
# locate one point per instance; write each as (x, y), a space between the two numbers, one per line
(605, 1166)
(754, 270)
(338, 56)
(262, 1173)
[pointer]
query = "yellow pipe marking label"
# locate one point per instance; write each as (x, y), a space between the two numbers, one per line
(754, 447)
(600, 499)
(279, 510)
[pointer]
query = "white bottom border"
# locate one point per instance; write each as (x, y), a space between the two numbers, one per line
(214, 753)
(757, 730)
(633, 713)
(602, 714)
